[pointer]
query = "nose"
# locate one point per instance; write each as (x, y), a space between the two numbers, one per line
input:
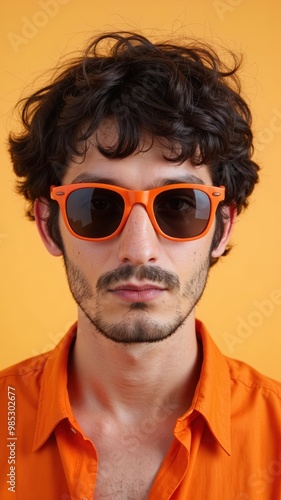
(138, 242)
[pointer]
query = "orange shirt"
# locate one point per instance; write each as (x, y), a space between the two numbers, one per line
(227, 446)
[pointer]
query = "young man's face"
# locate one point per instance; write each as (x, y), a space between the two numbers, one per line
(136, 308)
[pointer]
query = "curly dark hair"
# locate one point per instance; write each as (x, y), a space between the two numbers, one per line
(182, 94)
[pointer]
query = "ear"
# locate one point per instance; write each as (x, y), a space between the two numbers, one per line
(229, 216)
(41, 214)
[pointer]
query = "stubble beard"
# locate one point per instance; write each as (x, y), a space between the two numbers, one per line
(137, 326)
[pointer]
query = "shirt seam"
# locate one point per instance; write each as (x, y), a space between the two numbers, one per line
(17, 374)
(256, 386)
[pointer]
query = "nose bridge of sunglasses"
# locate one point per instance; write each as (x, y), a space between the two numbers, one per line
(138, 197)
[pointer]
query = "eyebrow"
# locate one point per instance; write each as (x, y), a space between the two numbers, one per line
(187, 179)
(182, 179)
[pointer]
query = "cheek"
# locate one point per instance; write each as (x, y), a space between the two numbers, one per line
(191, 253)
(91, 257)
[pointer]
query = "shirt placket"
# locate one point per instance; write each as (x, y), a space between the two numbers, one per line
(178, 465)
(79, 460)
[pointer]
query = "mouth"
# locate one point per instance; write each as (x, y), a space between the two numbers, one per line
(138, 293)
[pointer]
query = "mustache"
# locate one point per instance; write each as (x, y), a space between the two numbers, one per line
(153, 274)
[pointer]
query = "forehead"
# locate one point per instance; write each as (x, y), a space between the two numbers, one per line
(150, 165)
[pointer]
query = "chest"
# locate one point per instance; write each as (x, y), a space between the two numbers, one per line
(128, 463)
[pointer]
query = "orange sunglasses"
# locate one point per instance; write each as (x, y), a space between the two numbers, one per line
(98, 212)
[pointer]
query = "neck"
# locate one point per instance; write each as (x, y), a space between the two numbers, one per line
(130, 381)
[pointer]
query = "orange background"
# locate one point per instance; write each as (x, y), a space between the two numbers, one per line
(242, 302)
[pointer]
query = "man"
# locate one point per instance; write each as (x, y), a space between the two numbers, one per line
(135, 161)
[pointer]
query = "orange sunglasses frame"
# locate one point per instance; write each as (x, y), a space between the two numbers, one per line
(131, 198)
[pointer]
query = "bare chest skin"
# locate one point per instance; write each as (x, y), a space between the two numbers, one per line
(126, 476)
(129, 459)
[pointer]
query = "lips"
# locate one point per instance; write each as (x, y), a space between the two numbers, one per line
(138, 293)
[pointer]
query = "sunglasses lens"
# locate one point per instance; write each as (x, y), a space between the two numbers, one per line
(94, 212)
(182, 213)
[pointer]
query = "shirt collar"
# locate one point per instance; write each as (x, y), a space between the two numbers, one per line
(211, 398)
(213, 392)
